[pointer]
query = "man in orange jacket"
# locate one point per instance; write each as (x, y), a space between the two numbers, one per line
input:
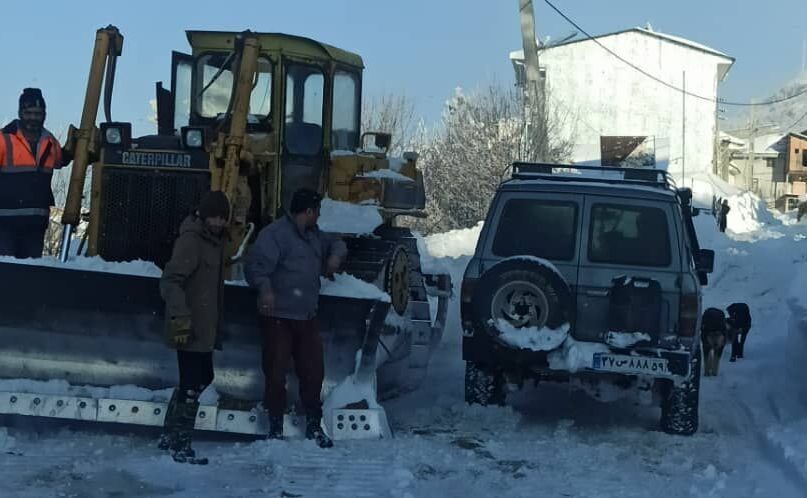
(28, 155)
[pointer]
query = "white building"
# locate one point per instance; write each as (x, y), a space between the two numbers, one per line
(610, 105)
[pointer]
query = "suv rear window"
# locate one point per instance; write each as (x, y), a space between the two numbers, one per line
(629, 235)
(545, 229)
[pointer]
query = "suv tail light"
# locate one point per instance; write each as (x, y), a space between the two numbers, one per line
(467, 290)
(688, 315)
(466, 300)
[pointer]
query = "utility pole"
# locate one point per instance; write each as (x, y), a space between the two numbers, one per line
(749, 171)
(533, 88)
(684, 129)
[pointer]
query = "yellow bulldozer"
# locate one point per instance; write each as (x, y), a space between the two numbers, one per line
(256, 115)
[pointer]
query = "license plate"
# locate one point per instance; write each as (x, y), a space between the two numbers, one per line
(630, 364)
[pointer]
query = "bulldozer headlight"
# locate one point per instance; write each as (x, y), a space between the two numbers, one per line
(116, 134)
(194, 138)
(113, 136)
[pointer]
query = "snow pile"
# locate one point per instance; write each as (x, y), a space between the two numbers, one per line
(706, 185)
(798, 291)
(95, 263)
(454, 244)
(791, 439)
(344, 285)
(351, 391)
(397, 163)
(625, 339)
(356, 391)
(344, 217)
(6, 442)
(608, 392)
(532, 338)
(575, 355)
(748, 214)
(388, 174)
(796, 350)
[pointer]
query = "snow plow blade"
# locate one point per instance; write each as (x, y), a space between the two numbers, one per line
(74, 343)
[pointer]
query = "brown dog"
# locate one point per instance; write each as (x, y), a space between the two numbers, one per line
(713, 339)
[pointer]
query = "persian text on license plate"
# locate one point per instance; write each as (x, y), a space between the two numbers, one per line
(630, 364)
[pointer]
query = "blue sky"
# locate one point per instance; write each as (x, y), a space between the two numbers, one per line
(423, 48)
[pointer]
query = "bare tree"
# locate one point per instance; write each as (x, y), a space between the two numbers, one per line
(473, 150)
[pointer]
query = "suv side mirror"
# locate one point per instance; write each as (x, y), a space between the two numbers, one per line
(705, 260)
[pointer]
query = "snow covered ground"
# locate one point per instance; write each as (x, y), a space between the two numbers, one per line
(551, 442)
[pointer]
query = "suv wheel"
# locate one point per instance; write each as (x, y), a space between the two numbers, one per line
(524, 293)
(483, 386)
(679, 405)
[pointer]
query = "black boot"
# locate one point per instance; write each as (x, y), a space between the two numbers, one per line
(169, 435)
(181, 450)
(313, 431)
(275, 428)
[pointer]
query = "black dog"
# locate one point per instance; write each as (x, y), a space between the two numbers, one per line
(739, 324)
(713, 339)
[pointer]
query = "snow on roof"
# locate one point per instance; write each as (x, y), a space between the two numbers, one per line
(519, 54)
(733, 141)
(681, 41)
(763, 144)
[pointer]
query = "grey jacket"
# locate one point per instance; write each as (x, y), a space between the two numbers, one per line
(290, 262)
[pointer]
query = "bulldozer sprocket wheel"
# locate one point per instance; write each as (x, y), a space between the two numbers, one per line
(397, 280)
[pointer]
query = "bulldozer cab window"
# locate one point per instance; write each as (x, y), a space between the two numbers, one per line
(215, 85)
(345, 133)
(305, 91)
(182, 68)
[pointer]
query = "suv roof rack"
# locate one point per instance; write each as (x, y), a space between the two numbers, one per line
(648, 177)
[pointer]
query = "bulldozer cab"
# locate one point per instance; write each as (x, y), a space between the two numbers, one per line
(305, 102)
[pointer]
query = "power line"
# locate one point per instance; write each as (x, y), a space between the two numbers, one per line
(659, 80)
(797, 121)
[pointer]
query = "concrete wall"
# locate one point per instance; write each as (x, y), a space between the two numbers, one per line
(604, 96)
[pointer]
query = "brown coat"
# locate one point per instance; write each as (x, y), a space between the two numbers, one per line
(192, 284)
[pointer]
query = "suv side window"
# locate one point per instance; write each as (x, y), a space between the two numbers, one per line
(541, 228)
(629, 235)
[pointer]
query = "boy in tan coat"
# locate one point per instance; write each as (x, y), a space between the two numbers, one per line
(192, 287)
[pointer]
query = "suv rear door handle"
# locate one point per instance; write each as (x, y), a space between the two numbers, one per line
(597, 293)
